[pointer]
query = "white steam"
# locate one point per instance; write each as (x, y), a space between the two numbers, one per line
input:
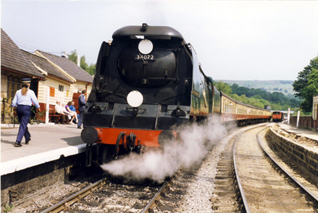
(194, 143)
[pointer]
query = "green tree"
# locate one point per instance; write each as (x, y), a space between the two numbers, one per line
(310, 90)
(91, 69)
(306, 84)
(83, 64)
(257, 97)
(236, 97)
(224, 87)
(73, 56)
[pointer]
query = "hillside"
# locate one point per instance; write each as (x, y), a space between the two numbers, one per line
(282, 86)
(258, 97)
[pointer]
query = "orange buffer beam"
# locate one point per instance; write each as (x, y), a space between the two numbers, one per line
(146, 137)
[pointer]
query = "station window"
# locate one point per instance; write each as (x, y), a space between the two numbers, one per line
(8, 85)
(61, 88)
(18, 85)
(12, 88)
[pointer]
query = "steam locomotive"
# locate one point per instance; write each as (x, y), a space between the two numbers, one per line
(148, 81)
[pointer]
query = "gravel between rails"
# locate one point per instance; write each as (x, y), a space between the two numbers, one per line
(265, 189)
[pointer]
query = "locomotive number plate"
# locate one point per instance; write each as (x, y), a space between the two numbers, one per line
(145, 57)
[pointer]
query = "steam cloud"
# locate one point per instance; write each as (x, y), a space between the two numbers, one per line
(195, 142)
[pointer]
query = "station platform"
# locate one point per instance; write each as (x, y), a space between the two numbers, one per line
(300, 131)
(48, 143)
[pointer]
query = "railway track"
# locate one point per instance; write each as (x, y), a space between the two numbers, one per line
(246, 181)
(106, 196)
(290, 171)
(67, 202)
(268, 187)
(228, 195)
(239, 183)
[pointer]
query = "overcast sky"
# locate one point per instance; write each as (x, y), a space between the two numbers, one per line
(234, 40)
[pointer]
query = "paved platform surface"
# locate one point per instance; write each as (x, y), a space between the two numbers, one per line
(299, 131)
(48, 142)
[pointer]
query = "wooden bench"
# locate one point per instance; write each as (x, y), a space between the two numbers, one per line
(53, 117)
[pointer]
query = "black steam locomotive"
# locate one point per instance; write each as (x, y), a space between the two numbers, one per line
(148, 81)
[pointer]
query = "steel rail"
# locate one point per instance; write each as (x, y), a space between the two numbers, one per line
(247, 209)
(74, 198)
(152, 203)
(285, 171)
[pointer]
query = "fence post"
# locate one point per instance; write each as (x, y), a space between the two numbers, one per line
(47, 106)
(288, 115)
(298, 114)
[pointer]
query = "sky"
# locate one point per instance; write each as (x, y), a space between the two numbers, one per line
(234, 40)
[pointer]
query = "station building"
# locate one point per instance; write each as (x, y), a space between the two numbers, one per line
(53, 77)
(14, 66)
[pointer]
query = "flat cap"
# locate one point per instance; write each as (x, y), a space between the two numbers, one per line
(26, 80)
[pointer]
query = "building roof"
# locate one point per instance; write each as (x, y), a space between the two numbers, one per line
(13, 58)
(46, 66)
(68, 66)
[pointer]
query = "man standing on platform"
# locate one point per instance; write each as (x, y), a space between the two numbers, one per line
(81, 108)
(23, 100)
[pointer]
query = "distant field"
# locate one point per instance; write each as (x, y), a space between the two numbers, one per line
(282, 86)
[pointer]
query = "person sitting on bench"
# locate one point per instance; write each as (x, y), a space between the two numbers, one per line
(59, 111)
